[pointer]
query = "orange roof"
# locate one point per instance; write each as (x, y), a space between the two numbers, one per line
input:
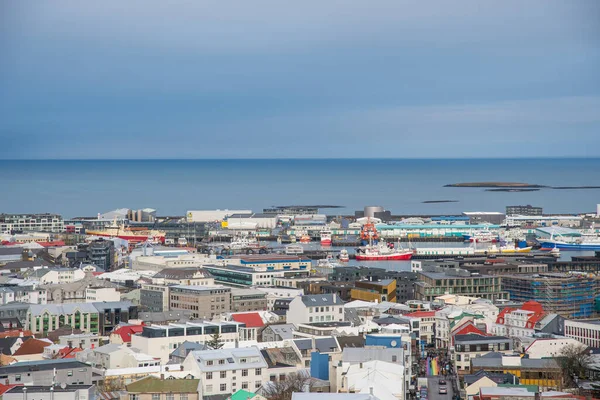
(421, 314)
(15, 333)
(501, 317)
(252, 320)
(6, 388)
(67, 352)
(533, 306)
(469, 328)
(31, 346)
(126, 331)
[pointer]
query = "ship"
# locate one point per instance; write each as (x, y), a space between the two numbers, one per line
(484, 236)
(344, 257)
(369, 234)
(382, 251)
(325, 237)
(133, 235)
(244, 242)
(581, 244)
(503, 249)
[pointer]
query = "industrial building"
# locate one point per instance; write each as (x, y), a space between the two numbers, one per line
(571, 295)
(523, 210)
(204, 216)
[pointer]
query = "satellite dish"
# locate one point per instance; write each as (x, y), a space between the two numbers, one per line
(63, 385)
(394, 343)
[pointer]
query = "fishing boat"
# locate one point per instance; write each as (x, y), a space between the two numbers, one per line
(305, 238)
(327, 263)
(369, 234)
(243, 242)
(482, 236)
(325, 237)
(133, 235)
(582, 243)
(382, 251)
(503, 249)
(344, 257)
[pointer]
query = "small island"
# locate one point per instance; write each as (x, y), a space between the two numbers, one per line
(513, 190)
(498, 185)
(439, 201)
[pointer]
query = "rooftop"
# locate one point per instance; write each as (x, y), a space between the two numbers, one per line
(152, 384)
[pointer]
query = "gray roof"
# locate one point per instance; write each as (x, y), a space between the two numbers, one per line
(285, 331)
(351, 315)
(182, 273)
(187, 346)
(312, 300)
(71, 308)
(9, 251)
(41, 365)
(323, 345)
(232, 359)
(494, 376)
(165, 316)
(473, 338)
(494, 359)
(46, 389)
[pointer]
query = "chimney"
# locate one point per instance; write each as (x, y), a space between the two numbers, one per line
(371, 390)
(360, 365)
(162, 377)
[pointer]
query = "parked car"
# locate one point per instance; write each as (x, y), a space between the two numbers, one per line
(443, 390)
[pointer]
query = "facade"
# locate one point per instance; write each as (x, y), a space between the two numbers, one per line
(426, 325)
(276, 333)
(96, 294)
(161, 340)
(154, 298)
(571, 295)
(82, 340)
(275, 293)
(98, 318)
(57, 392)
(404, 280)
(587, 332)
(470, 346)
(101, 253)
(527, 210)
(191, 276)
(271, 262)
(374, 291)
(248, 300)
(456, 281)
(225, 371)
(519, 322)
(202, 301)
(243, 276)
(31, 222)
(113, 356)
(551, 347)
(75, 292)
(47, 372)
(315, 308)
(61, 276)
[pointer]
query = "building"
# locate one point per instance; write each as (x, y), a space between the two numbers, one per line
(96, 294)
(161, 340)
(275, 293)
(61, 276)
(587, 332)
(82, 340)
(550, 347)
(271, 262)
(276, 333)
(225, 371)
(56, 392)
(101, 253)
(10, 254)
(527, 210)
(98, 318)
(31, 223)
(47, 372)
(124, 333)
(546, 373)
(76, 292)
(519, 322)
(192, 276)
(571, 295)
(426, 325)
(243, 276)
(202, 301)
(436, 281)
(204, 216)
(482, 217)
(379, 291)
(248, 300)
(155, 298)
(156, 388)
(468, 347)
(252, 323)
(315, 308)
(178, 355)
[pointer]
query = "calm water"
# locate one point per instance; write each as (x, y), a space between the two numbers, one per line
(85, 188)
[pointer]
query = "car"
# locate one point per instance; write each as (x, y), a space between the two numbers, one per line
(443, 390)
(442, 382)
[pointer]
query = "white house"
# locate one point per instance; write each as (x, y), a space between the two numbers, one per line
(315, 308)
(548, 348)
(382, 379)
(275, 293)
(226, 371)
(112, 356)
(95, 294)
(587, 332)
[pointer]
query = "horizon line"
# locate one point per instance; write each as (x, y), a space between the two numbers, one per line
(306, 158)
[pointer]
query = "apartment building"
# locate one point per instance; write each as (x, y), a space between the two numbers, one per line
(271, 262)
(315, 308)
(470, 346)
(161, 340)
(437, 281)
(243, 276)
(226, 371)
(47, 372)
(202, 301)
(520, 322)
(31, 222)
(248, 300)
(378, 291)
(587, 332)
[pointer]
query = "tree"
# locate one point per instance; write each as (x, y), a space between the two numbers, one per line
(215, 342)
(575, 361)
(283, 389)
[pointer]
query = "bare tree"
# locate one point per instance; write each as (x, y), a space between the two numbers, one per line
(575, 361)
(283, 389)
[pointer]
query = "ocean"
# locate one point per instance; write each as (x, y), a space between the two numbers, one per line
(85, 188)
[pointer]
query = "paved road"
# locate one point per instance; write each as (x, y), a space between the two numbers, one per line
(433, 389)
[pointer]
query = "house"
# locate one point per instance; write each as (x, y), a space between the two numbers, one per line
(252, 324)
(75, 292)
(47, 372)
(382, 379)
(180, 353)
(468, 347)
(9, 345)
(124, 333)
(81, 340)
(225, 371)
(315, 308)
(152, 388)
(426, 325)
(276, 333)
(305, 347)
(111, 356)
(245, 395)
(57, 392)
(31, 349)
(57, 275)
(519, 322)
(473, 382)
(550, 347)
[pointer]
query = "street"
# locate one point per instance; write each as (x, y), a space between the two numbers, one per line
(433, 386)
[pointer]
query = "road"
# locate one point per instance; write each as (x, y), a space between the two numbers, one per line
(433, 389)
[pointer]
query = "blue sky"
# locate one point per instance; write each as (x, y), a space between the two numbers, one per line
(270, 79)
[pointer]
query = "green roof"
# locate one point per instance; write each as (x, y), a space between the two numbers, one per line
(242, 395)
(152, 384)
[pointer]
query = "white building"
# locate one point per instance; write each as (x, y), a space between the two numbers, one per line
(158, 262)
(58, 392)
(587, 332)
(382, 379)
(95, 294)
(212, 215)
(58, 275)
(81, 340)
(112, 356)
(315, 308)
(549, 348)
(226, 371)
(275, 293)
(160, 340)
(7, 295)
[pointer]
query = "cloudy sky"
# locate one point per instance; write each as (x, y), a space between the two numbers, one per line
(270, 79)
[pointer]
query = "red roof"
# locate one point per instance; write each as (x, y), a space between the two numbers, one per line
(421, 314)
(252, 320)
(469, 328)
(502, 316)
(6, 388)
(15, 333)
(533, 306)
(56, 243)
(68, 352)
(31, 346)
(126, 331)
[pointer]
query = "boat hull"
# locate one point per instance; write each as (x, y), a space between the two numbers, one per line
(326, 242)
(129, 238)
(384, 257)
(570, 246)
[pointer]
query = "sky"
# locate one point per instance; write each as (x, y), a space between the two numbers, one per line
(274, 79)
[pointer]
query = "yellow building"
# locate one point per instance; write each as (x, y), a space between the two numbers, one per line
(379, 291)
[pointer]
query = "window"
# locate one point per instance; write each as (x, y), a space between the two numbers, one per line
(257, 371)
(244, 372)
(223, 374)
(273, 378)
(223, 387)
(221, 362)
(209, 375)
(257, 384)
(170, 396)
(18, 378)
(70, 372)
(209, 362)
(208, 388)
(183, 396)
(155, 396)
(244, 385)
(133, 397)
(394, 358)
